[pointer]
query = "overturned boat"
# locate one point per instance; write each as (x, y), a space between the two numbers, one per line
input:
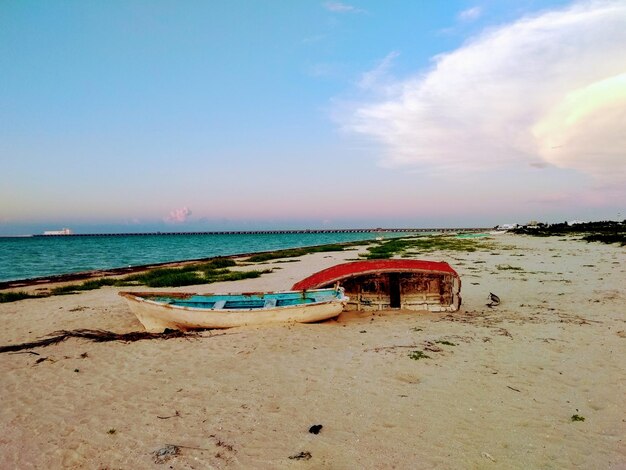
(160, 310)
(392, 283)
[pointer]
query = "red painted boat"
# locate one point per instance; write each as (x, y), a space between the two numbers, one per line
(392, 283)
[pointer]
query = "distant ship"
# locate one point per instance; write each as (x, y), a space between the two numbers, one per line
(65, 231)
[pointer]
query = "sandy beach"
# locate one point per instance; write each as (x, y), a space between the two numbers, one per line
(498, 390)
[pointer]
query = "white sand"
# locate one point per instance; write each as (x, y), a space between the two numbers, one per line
(502, 397)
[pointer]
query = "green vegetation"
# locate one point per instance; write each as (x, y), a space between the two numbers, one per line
(417, 355)
(295, 252)
(577, 418)
(15, 296)
(218, 263)
(607, 238)
(87, 285)
(607, 231)
(508, 267)
(235, 275)
(168, 277)
(387, 249)
(195, 273)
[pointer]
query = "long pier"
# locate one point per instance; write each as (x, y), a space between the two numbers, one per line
(278, 232)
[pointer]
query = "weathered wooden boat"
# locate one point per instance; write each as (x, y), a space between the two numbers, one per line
(393, 283)
(160, 310)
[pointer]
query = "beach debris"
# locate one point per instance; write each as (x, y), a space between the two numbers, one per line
(99, 336)
(175, 415)
(391, 348)
(304, 455)
(315, 429)
(577, 417)
(166, 453)
(494, 300)
(112, 431)
(80, 308)
(504, 332)
(429, 346)
(84, 355)
(220, 443)
(508, 386)
(487, 456)
(40, 360)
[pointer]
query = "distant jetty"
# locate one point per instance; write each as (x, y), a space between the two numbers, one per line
(63, 233)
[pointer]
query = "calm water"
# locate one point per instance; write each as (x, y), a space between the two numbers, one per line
(23, 258)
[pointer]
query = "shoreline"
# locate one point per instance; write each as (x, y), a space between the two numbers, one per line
(118, 265)
(98, 273)
(121, 270)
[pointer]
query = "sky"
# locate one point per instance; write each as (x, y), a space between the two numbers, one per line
(139, 116)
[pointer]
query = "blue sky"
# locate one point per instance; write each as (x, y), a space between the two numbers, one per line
(132, 116)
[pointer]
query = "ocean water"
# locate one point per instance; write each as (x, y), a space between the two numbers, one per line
(29, 257)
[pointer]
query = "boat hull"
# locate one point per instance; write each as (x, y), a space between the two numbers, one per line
(387, 284)
(157, 316)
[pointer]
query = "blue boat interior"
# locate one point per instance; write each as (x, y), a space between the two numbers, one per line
(250, 302)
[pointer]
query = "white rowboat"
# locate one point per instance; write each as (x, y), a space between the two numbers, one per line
(160, 310)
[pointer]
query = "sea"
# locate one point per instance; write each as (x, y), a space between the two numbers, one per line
(31, 257)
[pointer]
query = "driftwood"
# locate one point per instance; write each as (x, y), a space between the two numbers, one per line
(98, 336)
(388, 348)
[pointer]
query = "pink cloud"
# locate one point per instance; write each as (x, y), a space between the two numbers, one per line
(178, 216)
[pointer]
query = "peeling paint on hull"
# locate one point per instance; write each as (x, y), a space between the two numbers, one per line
(383, 284)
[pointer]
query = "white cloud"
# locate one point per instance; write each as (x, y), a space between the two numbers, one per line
(377, 77)
(178, 216)
(546, 89)
(338, 7)
(470, 14)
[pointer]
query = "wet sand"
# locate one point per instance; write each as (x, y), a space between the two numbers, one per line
(498, 390)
